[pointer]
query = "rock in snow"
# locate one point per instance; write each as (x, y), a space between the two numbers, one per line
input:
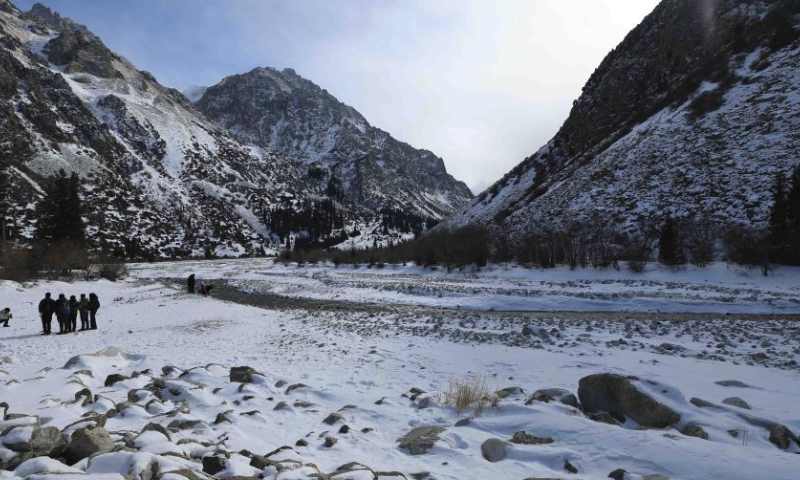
(607, 392)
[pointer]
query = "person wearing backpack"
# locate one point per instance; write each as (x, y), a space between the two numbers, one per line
(62, 313)
(47, 307)
(83, 309)
(94, 306)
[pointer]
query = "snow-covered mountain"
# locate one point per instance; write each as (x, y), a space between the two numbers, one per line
(161, 179)
(694, 113)
(340, 151)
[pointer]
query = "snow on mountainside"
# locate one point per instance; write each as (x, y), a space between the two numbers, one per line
(159, 179)
(694, 113)
(342, 152)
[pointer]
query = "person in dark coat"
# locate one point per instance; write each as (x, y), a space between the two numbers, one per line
(83, 309)
(94, 306)
(47, 307)
(62, 313)
(73, 314)
(190, 283)
(5, 316)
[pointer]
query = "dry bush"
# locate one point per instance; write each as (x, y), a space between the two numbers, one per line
(472, 392)
(107, 267)
(62, 258)
(17, 264)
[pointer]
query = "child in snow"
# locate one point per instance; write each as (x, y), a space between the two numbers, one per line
(5, 316)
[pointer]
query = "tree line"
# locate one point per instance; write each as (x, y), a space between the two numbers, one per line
(671, 241)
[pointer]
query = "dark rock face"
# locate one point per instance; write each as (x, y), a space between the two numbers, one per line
(606, 392)
(632, 137)
(280, 110)
(79, 52)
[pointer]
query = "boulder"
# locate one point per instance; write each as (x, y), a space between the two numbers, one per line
(494, 450)
(736, 402)
(333, 418)
(48, 441)
(295, 386)
(114, 378)
(695, 431)
(524, 438)
(86, 442)
(570, 467)
(781, 437)
(732, 383)
(242, 374)
(330, 441)
(548, 395)
(618, 474)
(109, 352)
(213, 464)
(509, 391)
(421, 439)
(608, 392)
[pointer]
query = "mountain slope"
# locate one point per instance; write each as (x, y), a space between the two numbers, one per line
(340, 150)
(692, 114)
(158, 178)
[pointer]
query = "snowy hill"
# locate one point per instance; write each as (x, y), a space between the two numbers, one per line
(344, 156)
(694, 113)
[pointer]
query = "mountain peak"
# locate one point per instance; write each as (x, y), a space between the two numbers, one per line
(281, 110)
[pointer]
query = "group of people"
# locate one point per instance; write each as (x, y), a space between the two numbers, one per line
(203, 289)
(67, 312)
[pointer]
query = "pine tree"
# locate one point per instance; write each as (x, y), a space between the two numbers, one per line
(60, 212)
(793, 219)
(5, 206)
(778, 227)
(670, 250)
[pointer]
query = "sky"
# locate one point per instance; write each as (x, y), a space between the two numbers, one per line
(481, 83)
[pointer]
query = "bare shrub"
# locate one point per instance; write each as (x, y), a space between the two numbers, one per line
(17, 264)
(472, 392)
(62, 258)
(107, 267)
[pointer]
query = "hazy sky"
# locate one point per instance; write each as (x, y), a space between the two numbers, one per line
(481, 83)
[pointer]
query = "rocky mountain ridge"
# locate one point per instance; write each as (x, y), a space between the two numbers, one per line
(282, 111)
(692, 115)
(159, 178)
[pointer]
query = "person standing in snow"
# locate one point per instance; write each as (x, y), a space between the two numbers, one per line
(62, 313)
(94, 306)
(190, 283)
(47, 308)
(5, 316)
(73, 314)
(83, 309)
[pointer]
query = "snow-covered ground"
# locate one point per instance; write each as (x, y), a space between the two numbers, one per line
(362, 358)
(718, 288)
